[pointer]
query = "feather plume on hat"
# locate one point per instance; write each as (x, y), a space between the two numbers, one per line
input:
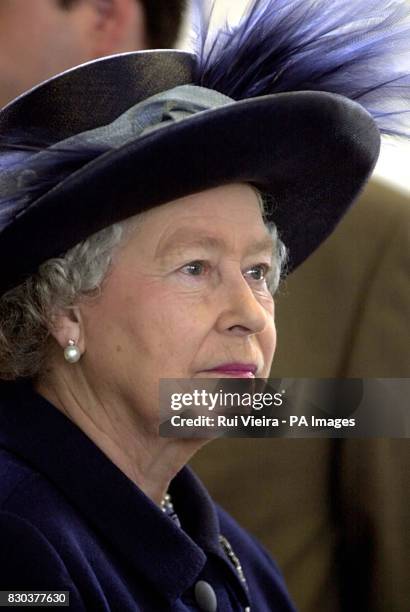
(360, 51)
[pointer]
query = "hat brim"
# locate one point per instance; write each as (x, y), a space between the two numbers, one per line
(311, 151)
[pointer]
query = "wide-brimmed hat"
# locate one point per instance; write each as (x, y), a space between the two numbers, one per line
(129, 132)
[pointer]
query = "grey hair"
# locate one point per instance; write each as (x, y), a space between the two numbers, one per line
(280, 254)
(27, 310)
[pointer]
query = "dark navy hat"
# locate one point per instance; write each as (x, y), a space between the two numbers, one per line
(129, 132)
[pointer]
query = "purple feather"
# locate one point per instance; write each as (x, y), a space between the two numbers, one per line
(360, 50)
(38, 177)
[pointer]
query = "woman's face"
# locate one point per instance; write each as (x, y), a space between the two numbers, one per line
(187, 293)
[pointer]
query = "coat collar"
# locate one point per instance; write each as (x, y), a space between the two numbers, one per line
(53, 445)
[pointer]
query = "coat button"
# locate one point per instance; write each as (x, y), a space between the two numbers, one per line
(205, 596)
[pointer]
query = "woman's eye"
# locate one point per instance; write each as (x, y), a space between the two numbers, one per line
(195, 268)
(259, 272)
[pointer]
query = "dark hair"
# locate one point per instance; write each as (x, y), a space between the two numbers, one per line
(163, 19)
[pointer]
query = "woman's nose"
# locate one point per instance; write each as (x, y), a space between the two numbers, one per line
(240, 312)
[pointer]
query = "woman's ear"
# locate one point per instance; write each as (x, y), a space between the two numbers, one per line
(119, 27)
(67, 325)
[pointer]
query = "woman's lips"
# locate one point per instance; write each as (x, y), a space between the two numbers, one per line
(235, 370)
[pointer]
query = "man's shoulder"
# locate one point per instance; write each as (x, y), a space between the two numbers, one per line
(379, 212)
(384, 196)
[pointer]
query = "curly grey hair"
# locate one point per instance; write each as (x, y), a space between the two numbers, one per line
(26, 311)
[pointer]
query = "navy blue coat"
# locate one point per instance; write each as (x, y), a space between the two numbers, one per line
(71, 520)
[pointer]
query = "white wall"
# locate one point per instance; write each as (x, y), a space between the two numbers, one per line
(394, 165)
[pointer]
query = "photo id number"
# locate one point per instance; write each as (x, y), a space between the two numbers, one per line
(34, 598)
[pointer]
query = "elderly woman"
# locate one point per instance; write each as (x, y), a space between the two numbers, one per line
(139, 243)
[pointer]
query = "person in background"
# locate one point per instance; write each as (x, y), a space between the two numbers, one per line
(42, 38)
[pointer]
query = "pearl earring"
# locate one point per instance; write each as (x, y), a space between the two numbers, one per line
(71, 352)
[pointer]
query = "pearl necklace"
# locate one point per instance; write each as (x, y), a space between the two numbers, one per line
(168, 508)
(166, 502)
